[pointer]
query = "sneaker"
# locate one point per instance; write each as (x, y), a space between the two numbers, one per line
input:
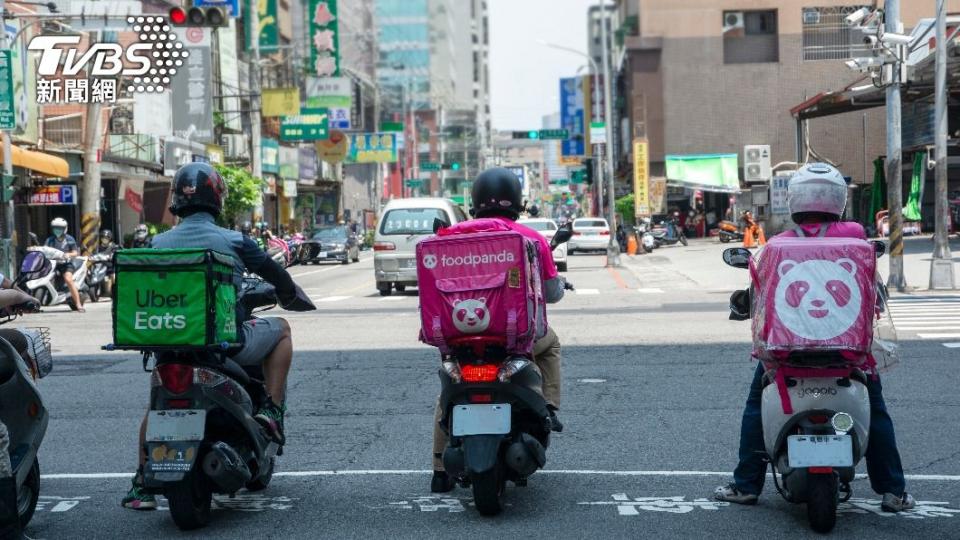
(730, 493)
(270, 416)
(442, 482)
(892, 503)
(136, 498)
(555, 423)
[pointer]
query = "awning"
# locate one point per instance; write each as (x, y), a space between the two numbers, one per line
(707, 172)
(39, 161)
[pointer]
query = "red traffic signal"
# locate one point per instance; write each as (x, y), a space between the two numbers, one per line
(197, 16)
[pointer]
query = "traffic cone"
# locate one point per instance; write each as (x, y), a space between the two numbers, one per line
(748, 241)
(631, 245)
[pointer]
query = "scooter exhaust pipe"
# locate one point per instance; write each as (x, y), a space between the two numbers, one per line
(224, 466)
(526, 455)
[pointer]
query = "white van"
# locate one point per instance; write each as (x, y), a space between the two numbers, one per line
(405, 222)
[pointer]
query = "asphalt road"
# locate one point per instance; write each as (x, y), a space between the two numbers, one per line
(654, 382)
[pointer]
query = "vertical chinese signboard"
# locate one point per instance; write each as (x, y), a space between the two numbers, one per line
(8, 116)
(641, 178)
(267, 13)
(324, 38)
(191, 89)
(572, 116)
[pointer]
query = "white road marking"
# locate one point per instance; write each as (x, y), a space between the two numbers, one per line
(587, 291)
(939, 336)
(321, 270)
(392, 298)
(952, 345)
(333, 298)
(433, 503)
(408, 472)
(592, 381)
(650, 290)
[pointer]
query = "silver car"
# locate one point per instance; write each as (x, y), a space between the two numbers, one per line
(589, 234)
(405, 222)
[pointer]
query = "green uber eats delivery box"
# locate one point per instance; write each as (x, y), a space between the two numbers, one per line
(174, 298)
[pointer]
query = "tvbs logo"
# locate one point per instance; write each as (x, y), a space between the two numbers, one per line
(65, 73)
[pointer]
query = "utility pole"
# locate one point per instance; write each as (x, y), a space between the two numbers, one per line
(941, 267)
(8, 261)
(90, 201)
(256, 159)
(613, 248)
(891, 24)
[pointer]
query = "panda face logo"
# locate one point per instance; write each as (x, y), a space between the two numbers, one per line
(818, 299)
(429, 261)
(471, 316)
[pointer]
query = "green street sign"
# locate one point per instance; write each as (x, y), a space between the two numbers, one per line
(8, 115)
(391, 126)
(578, 177)
(309, 125)
(7, 191)
(560, 182)
(413, 182)
(561, 134)
(427, 166)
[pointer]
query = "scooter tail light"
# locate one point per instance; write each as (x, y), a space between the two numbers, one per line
(176, 378)
(820, 470)
(206, 377)
(474, 373)
(818, 419)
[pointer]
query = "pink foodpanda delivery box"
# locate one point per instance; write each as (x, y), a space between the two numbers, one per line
(814, 294)
(480, 279)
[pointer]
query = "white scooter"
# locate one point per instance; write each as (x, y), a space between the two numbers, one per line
(40, 277)
(816, 423)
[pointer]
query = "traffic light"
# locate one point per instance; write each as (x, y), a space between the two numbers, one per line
(213, 17)
(531, 134)
(452, 166)
(588, 171)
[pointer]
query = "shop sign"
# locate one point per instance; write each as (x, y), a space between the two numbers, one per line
(54, 195)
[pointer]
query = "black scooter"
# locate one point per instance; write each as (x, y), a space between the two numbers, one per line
(668, 233)
(201, 435)
(497, 421)
(25, 418)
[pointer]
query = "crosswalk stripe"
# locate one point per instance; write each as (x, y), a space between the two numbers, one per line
(392, 298)
(939, 336)
(953, 345)
(587, 291)
(333, 298)
(650, 290)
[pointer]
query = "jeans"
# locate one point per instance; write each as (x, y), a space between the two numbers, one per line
(883, 458)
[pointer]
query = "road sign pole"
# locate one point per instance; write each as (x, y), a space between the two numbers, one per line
(613, 248)
(941, 267)
(894, 157)
(8, 208)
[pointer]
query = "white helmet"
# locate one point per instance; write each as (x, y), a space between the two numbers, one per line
(817, 187)
(59, 222)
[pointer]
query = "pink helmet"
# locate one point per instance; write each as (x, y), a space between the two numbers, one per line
(817, 187)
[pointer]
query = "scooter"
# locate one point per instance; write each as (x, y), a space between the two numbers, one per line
(100, 266)
(40, 278)
(201, 435)
(729, 232)
(22, 410)
(668, 232)
(647, 241)
(492, 409)
(816, 420)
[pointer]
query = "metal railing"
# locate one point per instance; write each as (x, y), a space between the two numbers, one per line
(826, 35)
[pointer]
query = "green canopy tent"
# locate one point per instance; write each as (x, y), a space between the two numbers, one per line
(706, 172)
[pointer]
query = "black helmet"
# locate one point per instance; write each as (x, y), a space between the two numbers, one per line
(246, 228)
(497, 191)
(106, 234)
(533, 211)
(198, 186)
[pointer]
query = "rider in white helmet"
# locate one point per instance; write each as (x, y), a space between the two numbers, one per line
(817, 196)
(59, 239)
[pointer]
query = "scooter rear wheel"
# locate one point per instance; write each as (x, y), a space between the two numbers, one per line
(28, 494)
(261, 483)
(683, 240)
(822, 502)
(488, 488)
(724, 239)
(190, 501)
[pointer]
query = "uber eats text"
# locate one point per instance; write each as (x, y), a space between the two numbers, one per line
(144, 320)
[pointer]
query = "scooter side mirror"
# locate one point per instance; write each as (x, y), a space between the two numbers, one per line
(879, 248)
(439, 224)
(737, 257)
(563, 235)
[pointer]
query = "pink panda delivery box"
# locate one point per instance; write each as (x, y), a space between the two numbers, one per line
(479, 279)
(814, 295)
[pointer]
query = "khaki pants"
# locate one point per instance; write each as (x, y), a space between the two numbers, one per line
(546, 358)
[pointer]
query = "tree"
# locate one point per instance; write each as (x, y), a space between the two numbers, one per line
(243, 192)
(625, 209)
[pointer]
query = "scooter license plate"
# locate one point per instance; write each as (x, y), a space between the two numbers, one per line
(493, 419)
(820, 451)
(176, 425)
